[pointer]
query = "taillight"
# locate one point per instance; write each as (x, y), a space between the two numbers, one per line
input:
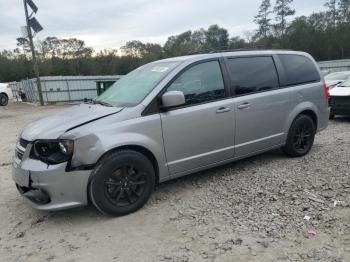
(326, 89)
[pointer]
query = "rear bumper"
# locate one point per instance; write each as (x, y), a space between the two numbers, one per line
(50, 187)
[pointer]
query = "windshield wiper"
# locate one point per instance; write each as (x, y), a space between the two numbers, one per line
(102, 103)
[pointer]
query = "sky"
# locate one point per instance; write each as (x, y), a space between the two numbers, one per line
(111, 23)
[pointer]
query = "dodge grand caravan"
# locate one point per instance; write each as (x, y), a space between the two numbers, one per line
(167, 119)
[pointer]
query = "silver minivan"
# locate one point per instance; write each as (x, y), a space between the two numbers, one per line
(167, 119)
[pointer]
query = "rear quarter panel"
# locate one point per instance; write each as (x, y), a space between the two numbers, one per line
(309, 97)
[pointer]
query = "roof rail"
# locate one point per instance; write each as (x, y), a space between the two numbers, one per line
(222, 50)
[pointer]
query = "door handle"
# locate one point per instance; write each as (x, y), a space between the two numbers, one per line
(223, 110)
(243, 106)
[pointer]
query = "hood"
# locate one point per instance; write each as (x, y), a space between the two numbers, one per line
(340, 91)
(53, 126)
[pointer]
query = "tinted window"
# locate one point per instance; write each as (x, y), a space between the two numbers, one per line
(253, 74)
(201, 83)
(299, 70)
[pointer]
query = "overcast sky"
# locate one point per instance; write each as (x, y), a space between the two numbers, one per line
(111, 23)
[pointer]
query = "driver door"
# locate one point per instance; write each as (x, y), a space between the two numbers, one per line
(201, 132)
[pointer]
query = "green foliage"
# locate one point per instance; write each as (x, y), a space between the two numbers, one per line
(282, 10)
(344, 11)
(263, 19)
(183, 43)
(216, 37)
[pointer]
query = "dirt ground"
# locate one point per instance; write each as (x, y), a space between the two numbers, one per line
(252, 210)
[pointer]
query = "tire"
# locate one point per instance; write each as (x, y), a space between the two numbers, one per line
(122, 182)
(331, 115)
(3, 100)
(301, 137)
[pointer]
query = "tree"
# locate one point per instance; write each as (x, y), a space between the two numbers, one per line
(249, 35)
(263, 20)
(198, 40)
(53, 47)
(190, 42)
(344, 11)
(133, 48)
(75, 48)
(296, 33)
(282, 10)
(237, 43)
(216, 37)
(179, 45)
(23, 43)
(149, 52)
(332, 11)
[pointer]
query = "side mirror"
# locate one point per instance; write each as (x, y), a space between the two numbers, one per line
(173, 99)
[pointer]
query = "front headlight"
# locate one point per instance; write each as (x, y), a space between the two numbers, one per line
(53, 151)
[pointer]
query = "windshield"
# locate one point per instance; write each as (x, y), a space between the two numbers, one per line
(131, 89)
(337, 76)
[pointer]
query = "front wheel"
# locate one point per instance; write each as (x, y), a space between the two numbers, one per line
(3, 100)
(122, 182)
(301, 136)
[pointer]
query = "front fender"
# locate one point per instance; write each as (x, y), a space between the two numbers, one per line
(96, 139)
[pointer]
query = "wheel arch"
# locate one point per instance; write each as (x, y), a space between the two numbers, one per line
(311, 114)
(305, 108)
(140, 149)
(3, 93)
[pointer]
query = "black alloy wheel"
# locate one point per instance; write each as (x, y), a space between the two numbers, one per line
(301, 136)
(122, 182)
(125, 186)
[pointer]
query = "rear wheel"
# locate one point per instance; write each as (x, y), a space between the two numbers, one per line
(331, 114)
(122, 182)
(300, 137)
(3, 100)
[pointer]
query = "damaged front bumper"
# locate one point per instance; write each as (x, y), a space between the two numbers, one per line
(49, 187)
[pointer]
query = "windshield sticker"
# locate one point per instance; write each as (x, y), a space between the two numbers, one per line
(160, 69)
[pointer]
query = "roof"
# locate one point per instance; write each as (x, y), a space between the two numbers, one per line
(228, 53)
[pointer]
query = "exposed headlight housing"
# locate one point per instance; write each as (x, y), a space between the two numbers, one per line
(53, 151)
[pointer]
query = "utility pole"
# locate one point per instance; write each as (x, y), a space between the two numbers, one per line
(35, 61)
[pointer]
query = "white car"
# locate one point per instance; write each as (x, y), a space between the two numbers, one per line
(340, 99)
(336, 78)
(5, 94)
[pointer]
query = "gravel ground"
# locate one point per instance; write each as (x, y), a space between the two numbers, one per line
(252, 210)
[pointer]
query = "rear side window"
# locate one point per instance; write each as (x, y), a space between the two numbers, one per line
(253, 74)
(299, 70)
